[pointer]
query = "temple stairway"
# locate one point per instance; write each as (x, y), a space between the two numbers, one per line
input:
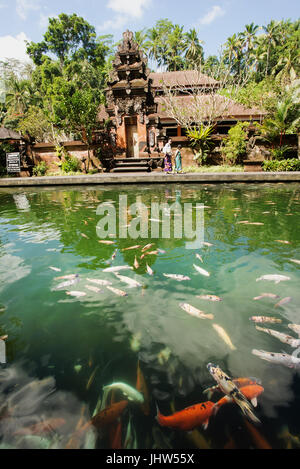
(133, 165)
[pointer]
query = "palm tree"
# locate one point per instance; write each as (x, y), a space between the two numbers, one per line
(194, 50)
(271, 35)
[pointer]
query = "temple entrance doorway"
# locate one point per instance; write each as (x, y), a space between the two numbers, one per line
(132, 141)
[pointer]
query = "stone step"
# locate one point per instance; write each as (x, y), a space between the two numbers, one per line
(131, 169)
(120, 164)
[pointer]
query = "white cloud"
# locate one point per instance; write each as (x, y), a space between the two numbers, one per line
(117, 23)
(214, 13)
(133, 8)
(14, 47)
(24, 6)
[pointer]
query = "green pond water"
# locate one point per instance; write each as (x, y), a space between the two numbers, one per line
(61, 350)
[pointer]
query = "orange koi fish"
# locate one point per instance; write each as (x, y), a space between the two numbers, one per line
(259, 441)
(251, 392)
(109, 415)
(189, 418)
(115, 435)
(239, 382)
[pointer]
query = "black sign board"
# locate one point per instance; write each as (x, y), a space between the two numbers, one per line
(13, 162)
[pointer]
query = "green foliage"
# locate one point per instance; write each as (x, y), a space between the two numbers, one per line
(200, 141)
(5, 147)
(70, 164)
(213, 169)
(40, 169)
(35, 125)
(292, 164)
(235, 144)
(279, 153)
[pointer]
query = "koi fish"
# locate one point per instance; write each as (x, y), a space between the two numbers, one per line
(131, 393)
(250, 392)
(103, 241)
(142, 387)
(106, 416)
(117, 268)
(136, 264)
(278, 358)
(207, 244)
(132, 283)
(132, 247)
(195, 312)
(117, 292)
(259, 441)
(274, 278)
(201, 271)
(283, 301)
(115, 435)
(282, 241)
(266, 295)
(149, 270)
(199, 257)
(286, 339)
(189, 418)
(228, 387)
(63, 285)
(209, 297)
(239, 382)
(265, 319)
(177, 277)
(67, 277)
(77, 294)
(55, 269)
(295, 328)
(148, 246)
(152, 253)
(295, 261)
(84, 236)
(103, 283)
(114, 255)
(224, 336)
(161, 251)
(91, 378)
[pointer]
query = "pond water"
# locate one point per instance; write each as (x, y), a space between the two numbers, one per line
(61, 350)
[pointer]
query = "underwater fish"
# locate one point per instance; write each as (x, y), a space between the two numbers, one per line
(207, 244)
(115, 435)
(56, 269)
(67, 277)
(131, 393)
(251, 392)
(256, 223)
(148, 246)
(266, 295)
(131, 247)
(77, 294)
(295, 261)
(103, 241)
(141, 386)
(239, 382)
(295, 328)
(149, 270)
(286, 339)
(117, 292)
(189, 418)
(209, 297)
(228, 387)
(132, 283)
(97, 281)
(274, 278)
(69, 283)
(224, 336)
(263, 319)
(278, 358)
(151, 253)
(199, 257)
(114, 255)
(93, 289)
(136, 264)
(201, 271)
(195, 312)
(283, 301)
(117, 268)
(259, 441)
(91, 378)
(161, 251)
(177, 277)
(282, 241)
(84, 236)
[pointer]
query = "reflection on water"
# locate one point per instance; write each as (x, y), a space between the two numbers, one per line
(61, 350)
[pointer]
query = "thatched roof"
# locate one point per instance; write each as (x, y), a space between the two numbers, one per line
(182, 79)
(7, 134)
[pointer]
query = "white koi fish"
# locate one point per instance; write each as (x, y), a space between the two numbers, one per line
(177, 277)
(295, 328)
(116, 291)
(77, 294)
(265, 319)
(209, 297)
(295, 261)
(283, 301)
(131, 247)
(274, 278)
(278, 358)
(63, 285)
(56, 269)
(224, 336)
(285, 338)
(201, 271)
(93, 289)
(131, 393)
(103, 241)
(117, 268)
(266, 295)
(97, 281)
(132, 283)
(195, 312)
(149, 270)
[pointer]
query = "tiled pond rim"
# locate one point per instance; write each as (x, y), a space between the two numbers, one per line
(150, 178)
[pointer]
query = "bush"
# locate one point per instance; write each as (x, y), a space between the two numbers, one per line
(292, 164)
(70, 164)
(5, 148)
(235, 145)
(279, 153)
(40, 169)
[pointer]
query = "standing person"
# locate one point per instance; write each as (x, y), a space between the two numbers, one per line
(178, 160)
(167, 150)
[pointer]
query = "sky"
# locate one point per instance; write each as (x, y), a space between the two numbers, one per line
(214, 20)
